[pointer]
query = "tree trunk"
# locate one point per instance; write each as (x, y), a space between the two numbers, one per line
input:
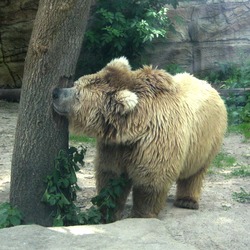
(51, 60)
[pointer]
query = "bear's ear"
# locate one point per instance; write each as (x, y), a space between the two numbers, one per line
(121, 63)
(125, 101)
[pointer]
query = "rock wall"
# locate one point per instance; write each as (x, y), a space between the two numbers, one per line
(207, 33)
(16, 21)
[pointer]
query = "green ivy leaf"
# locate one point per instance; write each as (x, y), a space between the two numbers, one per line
(46, 196)
(15, 220)
(3, 219)
(58, 221)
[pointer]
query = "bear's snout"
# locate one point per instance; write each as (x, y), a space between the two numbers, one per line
(55, 93)
(62, 100)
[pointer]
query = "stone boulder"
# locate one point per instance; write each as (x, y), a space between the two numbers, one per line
(130, 234)
(207, 33)
(16, 21)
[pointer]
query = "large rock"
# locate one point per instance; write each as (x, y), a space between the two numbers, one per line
(130, 234)
(16, 21)
(207, 33)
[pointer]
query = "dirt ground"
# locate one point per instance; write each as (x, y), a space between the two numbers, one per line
(220, 223)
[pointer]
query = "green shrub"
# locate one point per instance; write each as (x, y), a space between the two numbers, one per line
(122, 28)
(232, 75)
(9, 215)
(174, 68)
(106, 200)
(62, 186)
(238, 108)
(61, 193)
(242, 128)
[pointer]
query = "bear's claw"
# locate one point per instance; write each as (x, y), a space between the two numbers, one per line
(186, 203)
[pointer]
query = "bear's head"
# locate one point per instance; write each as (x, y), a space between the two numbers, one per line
(111, 104)
(96, 101)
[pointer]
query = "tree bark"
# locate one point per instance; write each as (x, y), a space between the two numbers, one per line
(50, 62)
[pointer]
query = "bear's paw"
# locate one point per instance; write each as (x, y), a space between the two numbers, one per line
(186, 202)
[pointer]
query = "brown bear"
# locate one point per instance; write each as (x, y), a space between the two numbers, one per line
(153, 127)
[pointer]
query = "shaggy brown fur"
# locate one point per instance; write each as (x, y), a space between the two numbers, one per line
(154, 127)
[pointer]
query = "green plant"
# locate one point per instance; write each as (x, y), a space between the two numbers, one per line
(61, 193)
(81, 138)
(123, 28)
(232, 75)
(224, 160)
(243, 128)
(106, 200)
(9, 215)
(174, 68)
(104, 204)
(243, 171)
(62, 186)
(242, 197)
(245, 112)
(238, 108)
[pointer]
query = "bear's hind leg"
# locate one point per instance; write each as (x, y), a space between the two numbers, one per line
(189, 190)
(147, 202)
(102, 181)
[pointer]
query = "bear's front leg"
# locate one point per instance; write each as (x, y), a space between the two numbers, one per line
(148, 201)
(102, 181)
(110, 163)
